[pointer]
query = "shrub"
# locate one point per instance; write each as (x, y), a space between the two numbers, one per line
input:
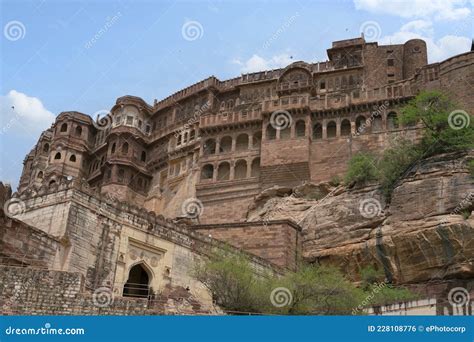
(335, 180)
(394, 163)
(311, 290)
(361, 169)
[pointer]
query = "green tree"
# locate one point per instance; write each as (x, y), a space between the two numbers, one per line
(446, 127)
(362, 168)
(395, 161)
(230, 279)
(310, 290)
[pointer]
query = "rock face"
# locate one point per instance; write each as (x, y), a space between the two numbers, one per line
(425, 233)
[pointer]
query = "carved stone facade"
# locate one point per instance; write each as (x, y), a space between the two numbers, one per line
(104, 198)
(216, 141)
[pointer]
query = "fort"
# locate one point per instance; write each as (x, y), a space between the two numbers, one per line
(133, 197)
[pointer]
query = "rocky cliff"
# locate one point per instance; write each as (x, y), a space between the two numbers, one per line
(425, 232)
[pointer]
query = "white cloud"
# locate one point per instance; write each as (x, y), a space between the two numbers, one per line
(258, 63)
(434, 9)
(438, 49)
(23, 114)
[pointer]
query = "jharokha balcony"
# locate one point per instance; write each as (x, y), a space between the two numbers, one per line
(230, 118)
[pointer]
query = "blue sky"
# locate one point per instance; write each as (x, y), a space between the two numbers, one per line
(81, 55)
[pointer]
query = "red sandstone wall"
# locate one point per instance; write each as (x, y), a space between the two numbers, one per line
(278, 242)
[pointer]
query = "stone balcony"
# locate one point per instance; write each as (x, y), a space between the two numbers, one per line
(229, 118)
(286, 103)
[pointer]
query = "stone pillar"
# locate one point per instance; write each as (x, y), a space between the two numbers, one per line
(250, 141)
(234, 142)
(231, 171)
(214, 173)
(249, 168)
(218, 146)
(324, 124)
(338, 127)
(353, 127)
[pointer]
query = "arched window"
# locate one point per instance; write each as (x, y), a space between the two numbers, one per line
(300, 128)
(209, 147)
(207, 172)
(78, 131)
(143, 156)
(63, 127)
(361, 125)
(226, 144)
(331, 129)
(137, 284)
(112, 151)
(223, 171)
(40, 175)
(57, 156)
(257, 140)
(345, 127)
(72, 158)
(377, 123)
(242, 142)
(317, 131)
(392, 121)
(240, 170)
(230, 104)
(192, 134)
(179, 140)
(185, 138)
(125, 148)
(53, 182)
(255, 171)
(46, 148)
(271, 132)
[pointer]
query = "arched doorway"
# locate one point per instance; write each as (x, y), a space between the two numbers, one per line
(137, 283)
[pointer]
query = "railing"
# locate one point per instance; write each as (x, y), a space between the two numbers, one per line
(293, 85)
(287, 102)
(225, 118)
(136, 290)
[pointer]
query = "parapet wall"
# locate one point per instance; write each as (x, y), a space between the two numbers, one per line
(276, 241)
(32, 291)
